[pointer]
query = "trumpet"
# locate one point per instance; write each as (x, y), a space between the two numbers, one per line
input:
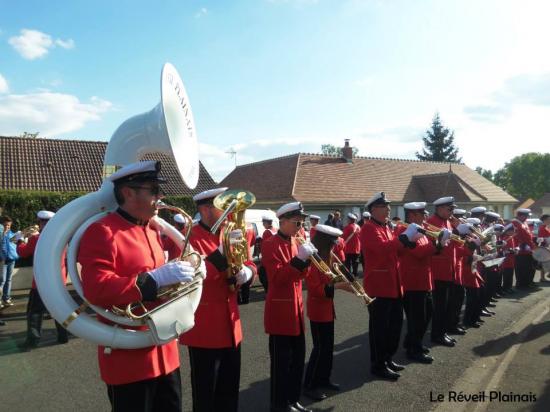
(336, 274)
(27, 232)
(436, 233)
(188, 254)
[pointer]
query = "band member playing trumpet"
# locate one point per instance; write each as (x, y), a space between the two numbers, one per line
(352, 243)
(321, 313)
(415, 265)
(383, 281)
(525, 266)
(123, 262)
(286, 261)
(35, 307)
(215, 341)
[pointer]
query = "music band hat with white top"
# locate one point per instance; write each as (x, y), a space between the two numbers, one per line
(144, 171)
(508, 227)
(378, 198)
(45, 215)
(328, 230)
(497, 227)
(415, 206)
(478, 209)
(492, 215)
(314, 217)
(267, 218)
(208, 195)
(178, 218)
(445, 201)
(291, 209)
(352, 216)
(459, 212)
(523, 211)
(474, 221)
(366, 215)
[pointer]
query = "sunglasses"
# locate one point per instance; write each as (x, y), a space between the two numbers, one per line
(153, 190)
(298, 223)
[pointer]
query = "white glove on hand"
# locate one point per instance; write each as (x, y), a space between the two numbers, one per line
(305, 250)
(243, 275)
(202, 270)
(445, 237)
(412, 232)
(18, 236)
(172, 273)
(464, 228)
(540, 241)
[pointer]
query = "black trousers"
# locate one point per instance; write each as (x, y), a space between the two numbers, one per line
(287, 355)
(418, 308)
(443, 314)
(319, 366)
(215, 378)
(507, 278)
(525, 270)
(160, 394)
(385, 322)
(35, 315)
(456, 300)
(473, 305)
(244, 293)
(492, 276)
(352, 263)
(262, 275)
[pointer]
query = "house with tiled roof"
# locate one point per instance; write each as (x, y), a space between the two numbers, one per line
(73, 165)
(541, 206)
(326, 183)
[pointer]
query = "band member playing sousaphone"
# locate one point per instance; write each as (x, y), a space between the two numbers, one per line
(383, 281)
(416, 273)
(321, 313)
(123, 262)
(214, 343)
(286, 261)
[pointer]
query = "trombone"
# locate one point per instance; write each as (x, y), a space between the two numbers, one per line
(436, 233)
(336, 274)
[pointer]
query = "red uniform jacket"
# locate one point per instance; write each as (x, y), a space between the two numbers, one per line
(113, 252)
(509, 245)
(444, 262)
(354, 243)
(524, 237)
(174, 251)
(217, 319)
(415, 264)
(320, 296)
(470, 279)
(266, 235)
(26, 250)
(284, 311)
(544, 232)
(380, 247)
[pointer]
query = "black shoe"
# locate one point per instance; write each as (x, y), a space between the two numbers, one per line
(457, 331)
(288, 408)
(315, 394)
(299, 407)
(385, 373)
(63, 340)
(486, 313)
(491, 305)
(330, 386)
(490, 312)
(480, 321)
(472, 325)
(394, 366)
(420, 357)
(443, 342)
(449, 338)
(425, 350)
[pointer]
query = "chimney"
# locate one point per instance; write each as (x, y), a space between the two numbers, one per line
(347, 151)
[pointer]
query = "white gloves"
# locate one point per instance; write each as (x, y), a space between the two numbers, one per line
(464, 228)
(172, 273)
(305, 250)
(445, 236)
(243, 275)
(18, 236)
(202, 270)
(235, 236)
(412, 232)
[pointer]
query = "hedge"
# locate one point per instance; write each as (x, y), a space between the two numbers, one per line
(21, 205)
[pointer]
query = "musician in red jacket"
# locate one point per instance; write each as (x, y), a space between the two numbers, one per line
(543, 239)
(35, 306)
(214, 343)
(471, 279)
(509, 250)
(123, 262)
(286, 261)
(383, 281)
(352, 244)
(525, 265)
(416, 275)
(314, 221)
(321, 314)
(445, 294)
(269, 230)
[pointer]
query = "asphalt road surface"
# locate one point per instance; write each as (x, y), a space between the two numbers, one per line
(510, 354)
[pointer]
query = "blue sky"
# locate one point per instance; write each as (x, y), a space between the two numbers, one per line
(273, 77)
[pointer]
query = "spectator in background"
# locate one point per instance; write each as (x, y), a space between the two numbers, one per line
(9, 253)
(337, 221)
(330, 219)
(2, 323)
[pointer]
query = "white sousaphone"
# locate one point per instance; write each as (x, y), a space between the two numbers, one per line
(168, 128)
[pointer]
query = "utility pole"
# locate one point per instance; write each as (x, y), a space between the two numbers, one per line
(233, 154)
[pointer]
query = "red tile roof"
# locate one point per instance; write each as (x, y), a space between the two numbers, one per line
(314, 178)
(71, 165)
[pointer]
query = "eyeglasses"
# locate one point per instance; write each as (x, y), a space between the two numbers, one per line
(153, 190)
(298, 223)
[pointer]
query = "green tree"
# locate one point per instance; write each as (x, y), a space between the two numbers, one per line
(29, 135)
(439, 144)
(525, 176)
(331, 150)
(486, 173)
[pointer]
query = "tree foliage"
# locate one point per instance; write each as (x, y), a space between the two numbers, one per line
(331, 150)
(486, 173)
(439, 144)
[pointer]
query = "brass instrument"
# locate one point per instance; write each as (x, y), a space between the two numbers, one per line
(179, 289)
(27, 232)
(336, 274)
(436, 232)
(234, 204)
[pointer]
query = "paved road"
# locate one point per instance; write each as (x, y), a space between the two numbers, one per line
(65, 377)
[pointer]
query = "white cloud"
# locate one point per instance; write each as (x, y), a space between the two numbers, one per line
(49, 113)
(202, 12)
(33, 44)
(3, 84)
